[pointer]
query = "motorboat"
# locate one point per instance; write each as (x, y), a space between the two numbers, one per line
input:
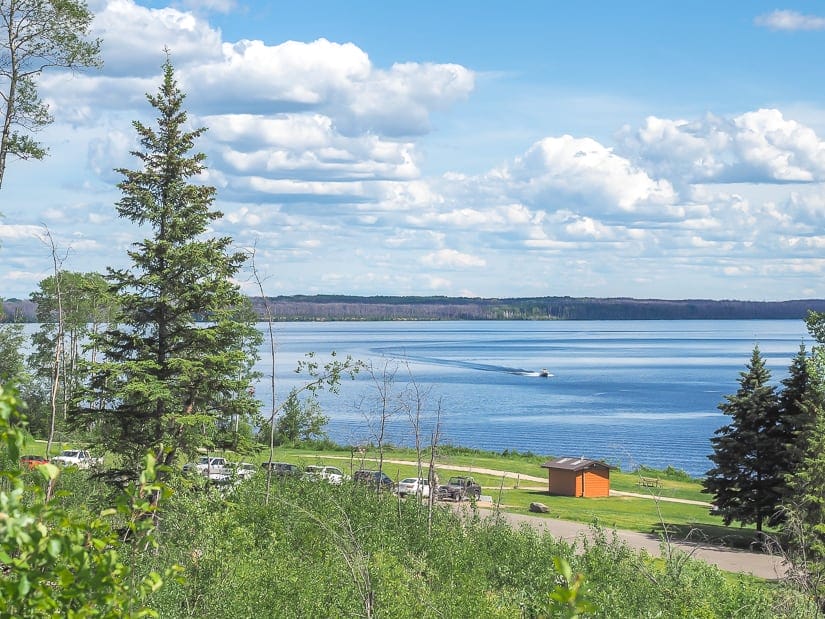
(544, 373)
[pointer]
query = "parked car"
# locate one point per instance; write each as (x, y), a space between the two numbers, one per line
(459, 488)
(377, 479)
(80, 458)
(283, 469)
(331, 474)
(414, 486)
(31, 461)
(245, 470)
(208, 466)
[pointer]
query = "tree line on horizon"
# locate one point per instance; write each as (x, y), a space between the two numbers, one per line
(348, 307)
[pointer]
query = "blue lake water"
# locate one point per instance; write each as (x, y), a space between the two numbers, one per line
(630, 392)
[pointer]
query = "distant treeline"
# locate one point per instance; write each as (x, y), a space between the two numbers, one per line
(345, 307)
(337, 307)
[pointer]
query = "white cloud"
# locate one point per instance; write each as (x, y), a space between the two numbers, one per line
(581, 173)
(790, 20)
(452, 259)
(757, 146)
(134, 38)
(336, 79)
(18, 231)
(781, 149)
(306, 146)
(586, 227)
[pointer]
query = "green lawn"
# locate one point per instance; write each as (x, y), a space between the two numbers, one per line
(636, 514)
(646, 515)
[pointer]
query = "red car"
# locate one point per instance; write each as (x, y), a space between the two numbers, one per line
(31, 461)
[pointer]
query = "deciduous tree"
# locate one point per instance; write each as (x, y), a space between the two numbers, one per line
(301, 420)
(11, 355)
(37, 35)
(164, 375)
(72, 307)
(747, 480)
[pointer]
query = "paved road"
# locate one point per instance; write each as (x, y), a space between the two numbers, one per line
(730, 560)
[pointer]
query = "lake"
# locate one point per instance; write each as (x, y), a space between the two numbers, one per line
(630, 392)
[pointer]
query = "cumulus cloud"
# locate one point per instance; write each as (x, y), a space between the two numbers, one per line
(755, 147)
(134, 38)
(336, 79)
(563, 172)
(306, 146)
(790, 20)
(287, 120)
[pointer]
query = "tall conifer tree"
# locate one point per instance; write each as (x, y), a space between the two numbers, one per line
(806, 533)
(795, 415)
(805, 505)
(748, 479)
(165, 377)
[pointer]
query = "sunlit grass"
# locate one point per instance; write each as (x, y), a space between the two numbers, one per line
(646, 515)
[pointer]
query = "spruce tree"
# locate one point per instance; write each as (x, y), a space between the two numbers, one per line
(794, 411)
(805, 507)
(747, 480)
(180, 359)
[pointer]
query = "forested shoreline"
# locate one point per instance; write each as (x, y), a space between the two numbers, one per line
(349, 307)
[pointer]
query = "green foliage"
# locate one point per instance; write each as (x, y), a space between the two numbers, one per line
(71, 308)
(37, 35)
(12, 366)
(55, 564)
(747, 481)
(317, 550)
(166, 379)
(805, 526)
(301, 422)
(796, 403)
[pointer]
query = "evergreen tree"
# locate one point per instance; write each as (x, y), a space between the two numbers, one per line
(794, 411)
(165, 377)
(748, 479)
(805, 525)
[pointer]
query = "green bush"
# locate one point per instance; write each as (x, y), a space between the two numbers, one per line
(58, 564)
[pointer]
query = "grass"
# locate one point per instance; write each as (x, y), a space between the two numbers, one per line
(646, 515)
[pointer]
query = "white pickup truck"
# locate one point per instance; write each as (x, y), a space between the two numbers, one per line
(208, 466)
(80, 458)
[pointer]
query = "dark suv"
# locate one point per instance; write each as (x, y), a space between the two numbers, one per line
(284, 469)
(378, 479)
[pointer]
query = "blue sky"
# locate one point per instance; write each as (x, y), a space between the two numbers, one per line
(646, 149)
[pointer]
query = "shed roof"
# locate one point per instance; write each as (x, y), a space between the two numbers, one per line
(575, 464)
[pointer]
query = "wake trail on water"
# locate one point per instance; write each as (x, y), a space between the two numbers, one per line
(466, 365)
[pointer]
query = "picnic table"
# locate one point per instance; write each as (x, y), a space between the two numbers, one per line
(650, 482)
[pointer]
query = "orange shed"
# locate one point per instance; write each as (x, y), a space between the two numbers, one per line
(577, 477)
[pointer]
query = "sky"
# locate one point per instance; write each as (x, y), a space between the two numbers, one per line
(481, 149)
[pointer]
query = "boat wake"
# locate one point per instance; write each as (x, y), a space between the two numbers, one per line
(467, 365)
